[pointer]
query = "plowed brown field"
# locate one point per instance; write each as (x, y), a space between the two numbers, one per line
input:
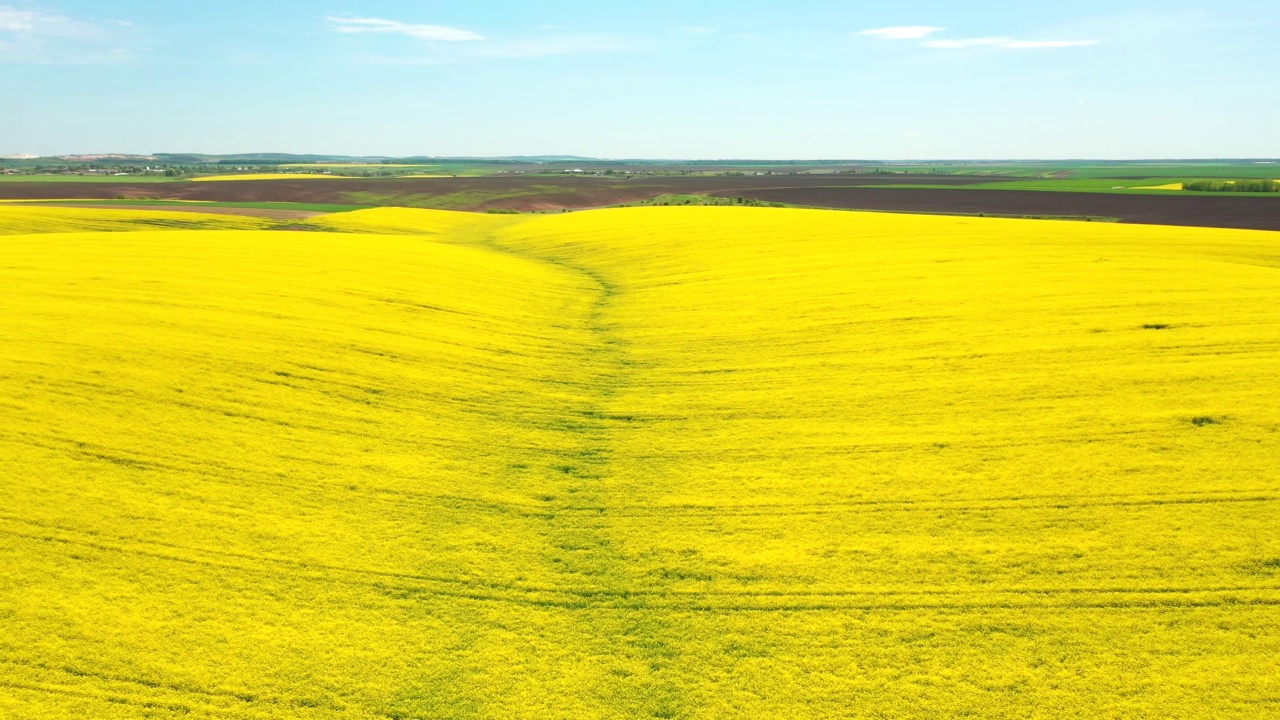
(474, 193)
(1227, 211)
(552, 193)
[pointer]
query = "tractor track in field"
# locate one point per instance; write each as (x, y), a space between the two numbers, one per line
(640, 651)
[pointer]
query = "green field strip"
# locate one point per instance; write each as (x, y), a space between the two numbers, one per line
(89, 179)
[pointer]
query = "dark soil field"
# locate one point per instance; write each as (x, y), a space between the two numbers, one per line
(550, 193)
(526, 193)
(1254, 213)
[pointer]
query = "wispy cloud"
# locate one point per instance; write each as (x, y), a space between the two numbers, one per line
(35, 34)
(41, 23)
(905, 32)
(698, 31)
(515, 49)
(443, 45)
(1004, 42)
(925, 33)
(429, 33)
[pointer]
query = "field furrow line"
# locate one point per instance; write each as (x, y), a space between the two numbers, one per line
(644, 654)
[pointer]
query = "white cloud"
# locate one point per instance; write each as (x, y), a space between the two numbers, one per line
(529, 48)
(10, 22)
(430, 33)
(15, 20)
(698, 31)
(448, 45)
(925, 32)
(33, 34)
(46, 23)
(1004, 42)
(906, 32)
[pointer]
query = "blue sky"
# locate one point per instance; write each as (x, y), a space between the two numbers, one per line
(712, 79)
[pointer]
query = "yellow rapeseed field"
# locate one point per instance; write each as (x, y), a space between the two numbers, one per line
(25, 220)
(641, 463)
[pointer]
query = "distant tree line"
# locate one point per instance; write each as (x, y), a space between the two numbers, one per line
(1255, 186)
